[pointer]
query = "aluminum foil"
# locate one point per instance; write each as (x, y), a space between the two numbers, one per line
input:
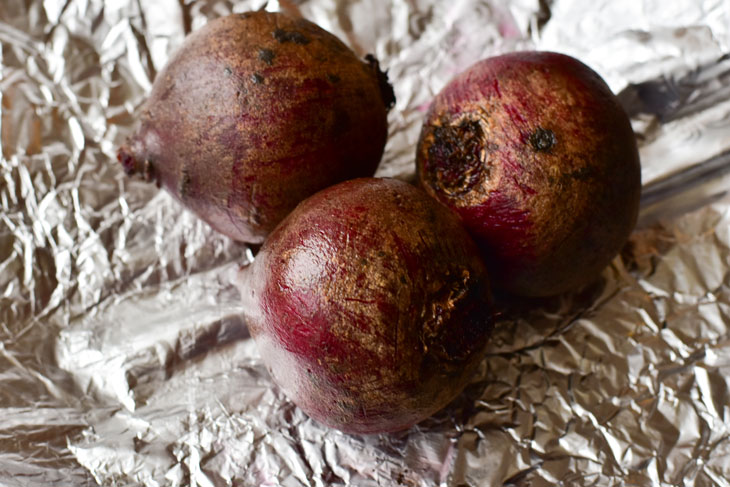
(123, 358)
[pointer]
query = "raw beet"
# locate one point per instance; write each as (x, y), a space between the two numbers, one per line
(254, 113)
(370, 305)
(536, 155)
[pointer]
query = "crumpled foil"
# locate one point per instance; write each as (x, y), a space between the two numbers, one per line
(123, 357)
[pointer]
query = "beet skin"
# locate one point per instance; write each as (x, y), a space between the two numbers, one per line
(370, 305)
(536, 155)
(254, 113)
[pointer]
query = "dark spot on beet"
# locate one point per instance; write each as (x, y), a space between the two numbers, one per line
(542, 140)
(267, 56)
(583, 174)
(333, 78)
(184, 184)
(227, 71)
(455, 164)
(386, 90)
(257, 78)
(294, 36)
(398, 199)
(459, 292)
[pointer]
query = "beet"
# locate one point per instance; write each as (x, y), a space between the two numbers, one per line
(254, 113)
(536, 155)
(370, 305)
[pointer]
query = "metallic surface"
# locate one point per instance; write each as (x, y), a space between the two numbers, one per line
(123, 357)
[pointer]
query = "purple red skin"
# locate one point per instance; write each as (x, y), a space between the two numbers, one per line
(370, 305)
(254, 113)
(536, 155)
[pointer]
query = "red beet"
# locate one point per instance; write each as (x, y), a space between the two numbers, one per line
(254, 113)
(536, 155)
(370, 305)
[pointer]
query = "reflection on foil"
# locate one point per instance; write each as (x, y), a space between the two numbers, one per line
(123, 357)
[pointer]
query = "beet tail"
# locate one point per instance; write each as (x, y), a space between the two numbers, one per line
(135, 165)
(128, 161)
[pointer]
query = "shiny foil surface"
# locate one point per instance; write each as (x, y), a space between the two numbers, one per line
(123, 357)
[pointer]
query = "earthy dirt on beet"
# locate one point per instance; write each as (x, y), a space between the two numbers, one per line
(254, 113)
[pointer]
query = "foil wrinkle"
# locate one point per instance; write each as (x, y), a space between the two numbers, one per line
(124, 359)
